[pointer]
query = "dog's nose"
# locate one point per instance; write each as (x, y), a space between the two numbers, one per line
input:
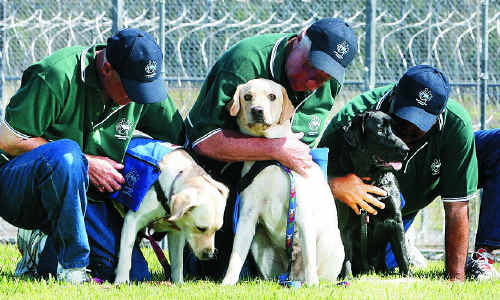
(257, 113)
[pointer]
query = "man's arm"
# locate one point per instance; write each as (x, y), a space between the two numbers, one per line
(229, 145)
(103, 171)
(15, 145)
(456, 238)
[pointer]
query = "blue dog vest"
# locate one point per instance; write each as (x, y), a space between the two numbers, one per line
(141, 170)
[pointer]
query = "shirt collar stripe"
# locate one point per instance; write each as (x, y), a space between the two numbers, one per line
(273, 56)
(82, 63)
(17, 133)
(457, 199)
(206, 136)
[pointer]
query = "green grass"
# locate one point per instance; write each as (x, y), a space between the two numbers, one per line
(427, 283)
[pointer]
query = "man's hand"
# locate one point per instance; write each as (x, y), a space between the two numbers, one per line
(356, 194)
(456, 238)
(104, 173)
(294, 154)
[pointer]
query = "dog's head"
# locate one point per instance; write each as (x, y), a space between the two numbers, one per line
(197, 204)
(374, 144)
(258, 105)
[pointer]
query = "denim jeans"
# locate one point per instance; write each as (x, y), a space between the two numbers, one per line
(488, 158)
(46, 189)
(488, 230)
(104, 225)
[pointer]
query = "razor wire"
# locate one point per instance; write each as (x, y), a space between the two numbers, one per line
(443, 33)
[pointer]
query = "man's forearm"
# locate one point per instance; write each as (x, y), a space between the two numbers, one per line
(456, 238)
(229, 145)
(15, 145)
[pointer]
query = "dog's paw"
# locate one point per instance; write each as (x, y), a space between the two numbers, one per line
(121, 280)
(313, 282)
(229, 281)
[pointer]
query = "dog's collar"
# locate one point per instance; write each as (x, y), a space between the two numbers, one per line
(171, 190)
(165, 199)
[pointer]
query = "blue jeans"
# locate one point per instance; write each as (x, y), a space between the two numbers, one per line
(104, 225)
(488, 158)
(488, 230)
(46, 189)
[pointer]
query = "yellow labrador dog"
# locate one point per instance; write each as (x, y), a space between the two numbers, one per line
(263, 109)
(196, 204)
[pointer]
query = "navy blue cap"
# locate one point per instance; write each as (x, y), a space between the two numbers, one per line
(421, 96)
(333, 46)
(137, 58)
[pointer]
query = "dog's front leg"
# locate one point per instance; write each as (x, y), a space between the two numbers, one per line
(309, 251)
(241, 245)
(128, 236)
(398, 245)
(346, 272)
(176, 243)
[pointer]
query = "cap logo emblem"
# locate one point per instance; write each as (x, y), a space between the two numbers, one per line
(435, 166)
(424, 97)
(342, 50)
(150, 69)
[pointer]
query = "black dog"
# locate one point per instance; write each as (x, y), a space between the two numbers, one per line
(369, 148)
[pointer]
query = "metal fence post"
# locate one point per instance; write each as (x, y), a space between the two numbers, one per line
(370, 43)
(484, 61)
(2, 40)
(117, 12)
(161, 34)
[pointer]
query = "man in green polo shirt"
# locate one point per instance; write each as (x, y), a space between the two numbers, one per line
(441, 162)
(69, 125)
(310, 65)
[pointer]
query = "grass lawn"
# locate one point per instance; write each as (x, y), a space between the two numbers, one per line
(425, 283)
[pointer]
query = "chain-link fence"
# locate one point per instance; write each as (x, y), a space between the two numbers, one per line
(393, 35)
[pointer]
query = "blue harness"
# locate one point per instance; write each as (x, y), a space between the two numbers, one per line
(141, 170)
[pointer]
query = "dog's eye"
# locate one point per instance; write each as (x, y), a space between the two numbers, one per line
(272, 97)
(201, 229)
(247, 97)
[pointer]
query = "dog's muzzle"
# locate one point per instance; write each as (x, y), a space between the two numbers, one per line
(257, 114)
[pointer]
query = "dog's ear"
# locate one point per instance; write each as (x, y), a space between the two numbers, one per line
(354, 130)
(351, 136)
(233, 106)
(180, 205)
(219, 186)
(287, 110)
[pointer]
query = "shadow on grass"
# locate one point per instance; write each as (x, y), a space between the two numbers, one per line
(434, 270)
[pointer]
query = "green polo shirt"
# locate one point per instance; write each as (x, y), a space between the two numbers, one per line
(260, 56)
(444, 164)
(60, 98)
